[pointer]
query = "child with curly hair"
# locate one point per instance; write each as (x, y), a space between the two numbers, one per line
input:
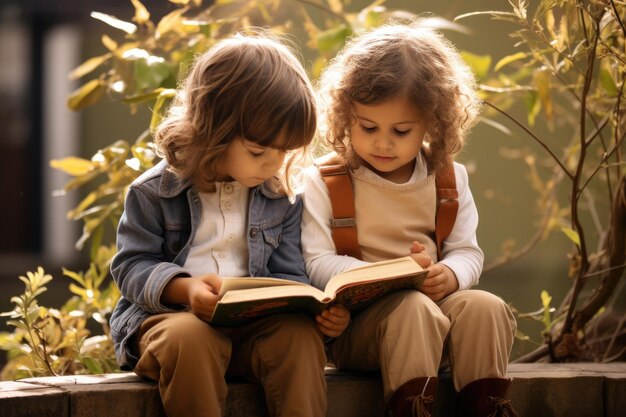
(397, 103)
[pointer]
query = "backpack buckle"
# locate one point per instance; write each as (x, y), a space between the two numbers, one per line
(343, 222)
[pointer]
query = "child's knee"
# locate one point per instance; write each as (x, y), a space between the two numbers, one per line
(293, 334)
(481, 306)
(187, 334)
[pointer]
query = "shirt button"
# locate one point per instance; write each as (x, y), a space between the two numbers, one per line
(228, 205)
(228, 188)
(230, 238)
(222, 255)
(253, 232)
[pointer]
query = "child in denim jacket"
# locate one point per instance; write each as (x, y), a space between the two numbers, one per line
(218, 206)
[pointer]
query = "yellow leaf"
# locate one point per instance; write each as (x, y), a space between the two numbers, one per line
(542, 80)
(169, 22)
(142, 15)
(546, 299)
(89, 65)
(508, 59)
(88, 94)
(572, 235)
(109, 43)
(336, 6)
(73, 165)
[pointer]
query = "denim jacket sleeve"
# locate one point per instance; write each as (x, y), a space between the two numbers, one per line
(141, 269)
(286, 260)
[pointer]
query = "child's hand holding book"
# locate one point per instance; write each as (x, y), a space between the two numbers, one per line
(333, 321)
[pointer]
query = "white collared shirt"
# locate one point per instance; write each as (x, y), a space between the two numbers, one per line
(219, 245)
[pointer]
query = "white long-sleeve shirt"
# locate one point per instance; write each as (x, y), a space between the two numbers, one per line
(393, 211)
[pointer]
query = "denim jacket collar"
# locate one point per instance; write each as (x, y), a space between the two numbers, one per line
(171, 185)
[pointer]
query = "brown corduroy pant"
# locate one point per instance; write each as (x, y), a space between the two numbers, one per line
(190, 360)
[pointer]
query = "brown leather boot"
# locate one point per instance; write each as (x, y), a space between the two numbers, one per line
(485, 398)
(414, 398)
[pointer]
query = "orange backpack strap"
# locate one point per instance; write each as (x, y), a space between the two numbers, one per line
(447, 204)
(337, 178)
(343, 223)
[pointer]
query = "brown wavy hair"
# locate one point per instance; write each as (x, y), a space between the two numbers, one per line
(249, 86)
(400, 60)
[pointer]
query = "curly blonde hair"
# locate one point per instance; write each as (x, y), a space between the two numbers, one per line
(400, 60)
(249, 86)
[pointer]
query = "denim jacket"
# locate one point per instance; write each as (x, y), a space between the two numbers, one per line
(161, 215)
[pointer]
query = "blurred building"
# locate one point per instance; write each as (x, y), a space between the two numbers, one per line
(40, 43)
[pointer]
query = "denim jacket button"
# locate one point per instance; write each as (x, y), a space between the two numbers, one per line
(253, 232)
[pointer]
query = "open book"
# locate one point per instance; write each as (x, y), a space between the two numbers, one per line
(247, 298)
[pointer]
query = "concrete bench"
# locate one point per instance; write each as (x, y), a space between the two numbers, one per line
(538, 390)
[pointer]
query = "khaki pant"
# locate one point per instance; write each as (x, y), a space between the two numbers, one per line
(190, 359)
(404, 335)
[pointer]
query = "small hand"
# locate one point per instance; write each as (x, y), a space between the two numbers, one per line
(419, 255)
(203, 295)
(440, 282)
(333, 321)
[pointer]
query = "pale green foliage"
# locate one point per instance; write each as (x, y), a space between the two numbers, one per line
(48, 341)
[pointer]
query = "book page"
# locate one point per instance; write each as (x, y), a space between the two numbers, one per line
(272, 292)
(242, 283)
(399, 267)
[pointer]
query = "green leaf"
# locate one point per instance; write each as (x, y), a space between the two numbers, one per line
(161, 104)
(92, 365)
(572, 235)
(480, 64)
(607, 82)
(331, 40)
(150, 73)
(140, 98)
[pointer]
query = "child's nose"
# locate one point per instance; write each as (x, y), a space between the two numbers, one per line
(382, 141)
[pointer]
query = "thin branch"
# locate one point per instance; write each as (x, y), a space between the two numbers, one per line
(537, 139)
(601, 164)
(579, 282)
(616, 251)
(618, 18)
(539, 353)
(598, 129)
(537, 237)
(324, 9)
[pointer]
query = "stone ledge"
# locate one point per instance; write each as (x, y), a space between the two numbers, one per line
(572, 390)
